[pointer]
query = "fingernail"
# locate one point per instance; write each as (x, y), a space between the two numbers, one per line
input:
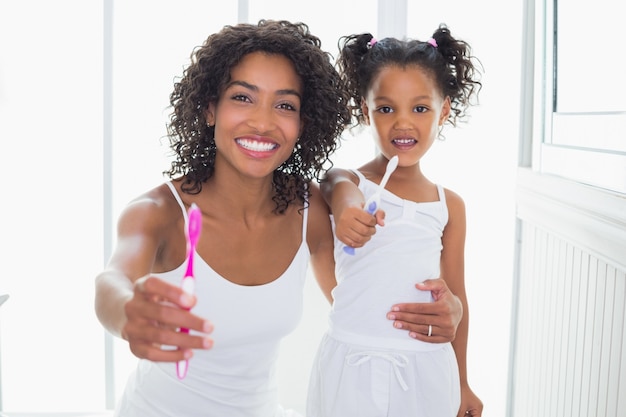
(207, 327)
(397, 325)
(391, 316)
(395, 308)
(207, 343)
(413, 334)
(186, 299)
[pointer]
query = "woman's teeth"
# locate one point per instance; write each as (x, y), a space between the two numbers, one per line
(254, 145)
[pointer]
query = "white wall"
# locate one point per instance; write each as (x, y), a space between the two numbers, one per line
(50, 226)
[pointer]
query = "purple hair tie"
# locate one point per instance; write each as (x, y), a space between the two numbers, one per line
(372, 42)
(433, 42)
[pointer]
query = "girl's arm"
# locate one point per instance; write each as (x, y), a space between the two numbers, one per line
(453, 272)
(353, 225)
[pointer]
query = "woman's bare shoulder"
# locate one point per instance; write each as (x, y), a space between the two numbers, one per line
(154, 209)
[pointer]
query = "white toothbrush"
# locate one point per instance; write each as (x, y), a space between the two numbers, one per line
(372, 204)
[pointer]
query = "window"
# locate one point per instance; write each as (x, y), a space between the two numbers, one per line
(583, 112)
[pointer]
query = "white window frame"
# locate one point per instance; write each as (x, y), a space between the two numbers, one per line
(561, 140)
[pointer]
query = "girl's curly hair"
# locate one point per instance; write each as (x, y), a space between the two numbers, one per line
(449, 60)
(324, 112)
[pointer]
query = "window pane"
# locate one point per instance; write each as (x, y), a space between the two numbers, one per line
(590, 59)
(584, 139)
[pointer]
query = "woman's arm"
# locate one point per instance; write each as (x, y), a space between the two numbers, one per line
(321, 243)
(140, 308)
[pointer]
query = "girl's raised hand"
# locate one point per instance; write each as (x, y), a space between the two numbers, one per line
(354, 226)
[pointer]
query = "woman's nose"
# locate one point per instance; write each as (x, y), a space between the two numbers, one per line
(262, 118)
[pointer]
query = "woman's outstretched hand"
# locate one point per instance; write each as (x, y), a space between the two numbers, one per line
(154, 314)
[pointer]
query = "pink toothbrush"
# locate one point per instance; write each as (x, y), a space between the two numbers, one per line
(194, 226)
(372, 204)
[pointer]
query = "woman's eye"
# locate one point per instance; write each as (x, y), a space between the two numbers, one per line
(240, 97)
(287, 106)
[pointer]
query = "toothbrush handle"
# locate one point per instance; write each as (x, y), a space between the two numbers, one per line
(371, 209)
(181, 368)
(188, 285)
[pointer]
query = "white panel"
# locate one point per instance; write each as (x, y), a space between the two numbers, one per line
(604, 322)
(569, 353)
(621, 349)
(571, 388)
(616, 337)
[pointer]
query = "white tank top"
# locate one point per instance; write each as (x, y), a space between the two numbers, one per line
(236, 377)
(403, 252)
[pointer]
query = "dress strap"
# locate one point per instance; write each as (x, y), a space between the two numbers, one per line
(305, 216)
(445, 215)
(177, 197)
(442, 194)
(359, 175)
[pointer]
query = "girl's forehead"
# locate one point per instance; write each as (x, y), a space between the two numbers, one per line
(410, 69)
(391, 75)
(400, 82)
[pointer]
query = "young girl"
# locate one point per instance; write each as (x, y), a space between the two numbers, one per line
(405, 91)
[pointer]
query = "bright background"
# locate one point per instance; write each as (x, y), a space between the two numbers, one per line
(52, 349)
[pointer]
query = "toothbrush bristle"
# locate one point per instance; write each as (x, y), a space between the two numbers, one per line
(195, 223)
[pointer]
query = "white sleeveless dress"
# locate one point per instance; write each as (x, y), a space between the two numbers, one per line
(235, 378)
(364, 366)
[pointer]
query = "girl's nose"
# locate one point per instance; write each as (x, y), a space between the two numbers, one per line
(402, 122)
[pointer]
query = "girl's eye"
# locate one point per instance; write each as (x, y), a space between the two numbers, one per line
(385, 109)
(420, 109)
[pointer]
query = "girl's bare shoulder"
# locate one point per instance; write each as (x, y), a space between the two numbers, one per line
(455, 203)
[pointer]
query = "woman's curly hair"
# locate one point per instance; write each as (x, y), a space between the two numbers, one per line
(449, 60)
(324, 112)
